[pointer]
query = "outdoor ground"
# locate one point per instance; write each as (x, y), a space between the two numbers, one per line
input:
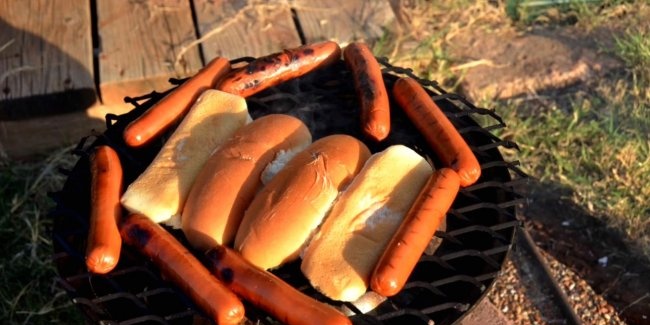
(572, 84)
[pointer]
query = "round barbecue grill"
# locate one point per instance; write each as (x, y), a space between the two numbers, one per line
(443, 287)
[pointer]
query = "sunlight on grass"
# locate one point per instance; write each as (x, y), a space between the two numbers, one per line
(596, 142)
(600, 149)
(634, 49)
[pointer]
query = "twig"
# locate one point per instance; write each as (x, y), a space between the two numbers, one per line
(51, 163)
(475, 63)
(17, 70)
(634, 303)
(6, 45)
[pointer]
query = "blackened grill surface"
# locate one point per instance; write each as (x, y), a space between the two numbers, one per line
(442, 288)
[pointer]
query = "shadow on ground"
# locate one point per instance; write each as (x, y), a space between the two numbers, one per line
(597, 253)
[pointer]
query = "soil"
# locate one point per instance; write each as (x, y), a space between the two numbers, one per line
(507, 62)
(596, 253)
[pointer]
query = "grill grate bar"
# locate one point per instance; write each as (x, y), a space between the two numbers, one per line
(478, 228)
(503, 143)
(475, 253)
(426, 285)
(144, 319)
(136, 281)
(489, 205)
(463, 278)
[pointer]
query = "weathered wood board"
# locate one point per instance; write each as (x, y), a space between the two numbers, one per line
(238, 28)
(46, 57)
(23, 139)
(50, 84)
(343, 21)
(139, 43)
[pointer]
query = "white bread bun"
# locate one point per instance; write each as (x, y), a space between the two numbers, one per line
(230, 178)
(161, 190)
(285, 213)
(275, 166)
(341, 256)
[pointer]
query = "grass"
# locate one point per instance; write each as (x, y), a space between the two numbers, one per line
(599, 149)
(595, 142)
(593, 139)
(598, 143)
(28, 292)
(634, 49)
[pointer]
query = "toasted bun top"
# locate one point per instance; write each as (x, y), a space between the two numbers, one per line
(285, 213)
(230, 178)
(161, 190)
(342, 255)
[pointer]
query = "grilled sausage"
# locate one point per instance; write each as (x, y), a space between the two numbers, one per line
(436, 128)
(268, 292)
(182, 268)
(172, 107)
(104, 241)
(415, 232)
(273, 69)
(370, 88)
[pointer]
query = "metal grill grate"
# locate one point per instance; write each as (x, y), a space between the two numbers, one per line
(443, 287)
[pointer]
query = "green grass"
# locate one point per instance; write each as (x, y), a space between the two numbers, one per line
(634, 49)
(28, 293)
(595, 143)
(599, 148)
(586, 13)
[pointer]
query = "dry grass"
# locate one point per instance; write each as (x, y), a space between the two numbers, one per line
(594, 141)
(28, 293)
(594, 138)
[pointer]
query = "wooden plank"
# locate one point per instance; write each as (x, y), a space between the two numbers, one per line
(46, 57)
(139, 42)
(238, 28)
(343, 21)
(25, 139)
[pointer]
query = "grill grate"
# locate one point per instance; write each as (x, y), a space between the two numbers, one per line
(443, 287)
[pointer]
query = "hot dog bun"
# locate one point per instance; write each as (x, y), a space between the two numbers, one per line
(161, 190)
(230, 178)
(285, 213)
(342, 255)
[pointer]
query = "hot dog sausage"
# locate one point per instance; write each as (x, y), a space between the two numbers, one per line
(369, 84)
(415, 232)
(173, 106)
(273, 69)
(104, 241)
(436, 128)
(182, 268)
(268, 292)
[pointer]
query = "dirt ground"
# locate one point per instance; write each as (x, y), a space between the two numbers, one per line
(546, 62)
(550, 63)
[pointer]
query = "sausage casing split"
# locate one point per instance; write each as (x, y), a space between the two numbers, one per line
(411, 239)
(436, 128)
(181, 267)
(273, 69)
(173, 107)
(268, 292)
(104, 241)
(371, 90)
